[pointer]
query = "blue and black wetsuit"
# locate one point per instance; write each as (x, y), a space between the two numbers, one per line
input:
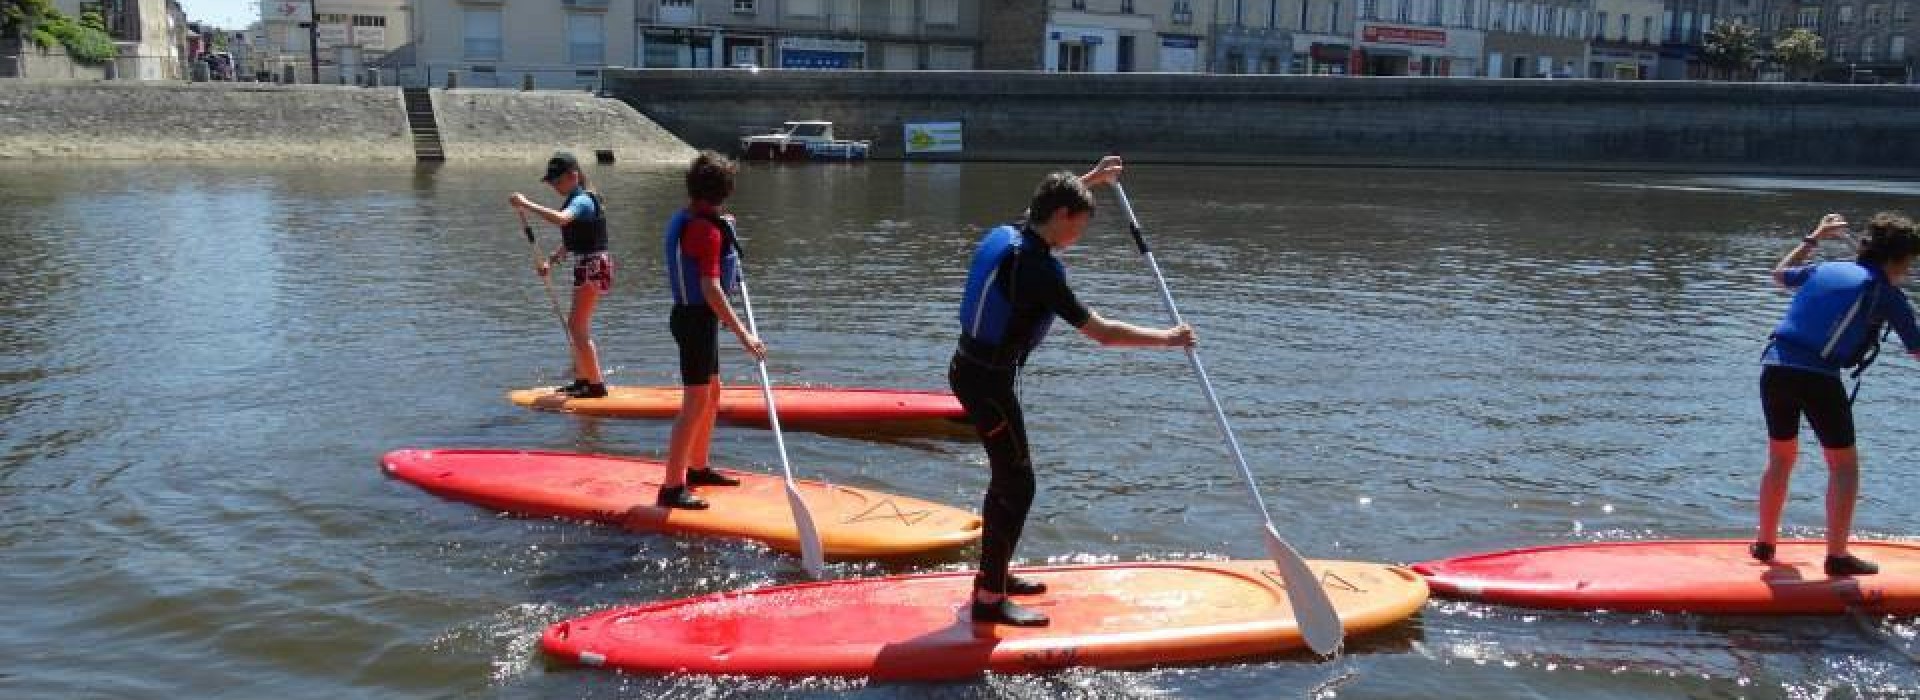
(1837, 311)
(1015, 287)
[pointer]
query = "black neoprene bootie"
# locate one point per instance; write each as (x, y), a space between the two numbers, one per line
(573, 389)
(706, 476)
(591, 391)
(1762, 551)
(1007, 612)
(1850, 566)
(679, 497)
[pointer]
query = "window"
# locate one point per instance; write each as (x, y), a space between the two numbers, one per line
(1303, 16)
(1626, 24)
(1402, 10)
(483, 34)
(745, 7)
(586, 38)
(1646, 29)
(1369, 9)
(1434, 12)
(1496, 15)
(1809, 18)
(1845, 17)
(1126, 54)
(1866, 49)
(943, 13)
(1182, 12)
(803, 8)
(1897, 48)
(1126, 7)
(369, 20)
(1901, 12)
(1273, 13)
(1839, 49)
(1079, 4)
(1600, 26)
(1876, 15)
(1466, 13)
(1333, 19)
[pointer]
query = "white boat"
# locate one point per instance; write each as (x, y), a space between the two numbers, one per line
(803, 140)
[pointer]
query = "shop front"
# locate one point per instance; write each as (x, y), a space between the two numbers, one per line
(677, 47)
(1386, 49)
(1622, 61)
(823, 54)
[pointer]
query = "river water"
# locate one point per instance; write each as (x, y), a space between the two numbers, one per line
(203, 364)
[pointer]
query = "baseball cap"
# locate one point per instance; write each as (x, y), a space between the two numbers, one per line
(560, 164)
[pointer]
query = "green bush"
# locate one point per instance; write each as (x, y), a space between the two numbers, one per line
(85, 41)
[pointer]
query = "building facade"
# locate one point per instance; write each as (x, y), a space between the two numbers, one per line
(1538, 38)
(1437, 38)
(1625, 41)
(1686, 23)
(1867, 40)
(351, 36)
(1096, 36)
(145, 33)
(494, 43)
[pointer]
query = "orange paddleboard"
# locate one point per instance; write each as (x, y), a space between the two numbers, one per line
(917, 627)
(744, 404)
(1697, 576)
(853, 523)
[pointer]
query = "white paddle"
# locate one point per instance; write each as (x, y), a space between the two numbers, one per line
(546, 279)
(812, 555)
(1319, 622)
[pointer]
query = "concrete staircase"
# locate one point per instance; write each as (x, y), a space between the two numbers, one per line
(426, 131)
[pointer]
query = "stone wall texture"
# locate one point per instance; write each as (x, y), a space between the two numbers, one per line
(248, 121)
(1306, 120)
(499, 124)
(128, 120)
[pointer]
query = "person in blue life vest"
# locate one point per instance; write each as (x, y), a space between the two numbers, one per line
(1015, 287)
(582, 219)
(1834, 322)
(703, 267)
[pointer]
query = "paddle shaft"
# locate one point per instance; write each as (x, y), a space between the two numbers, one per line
(546, 279)
(1319, 621)
(812, 556)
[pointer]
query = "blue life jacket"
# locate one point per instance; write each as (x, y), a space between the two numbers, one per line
(1834, 321)
(683, 272)
(586, 234)
(985, 310)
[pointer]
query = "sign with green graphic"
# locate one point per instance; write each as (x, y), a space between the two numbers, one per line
(933, 137)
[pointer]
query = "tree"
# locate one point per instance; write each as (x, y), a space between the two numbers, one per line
(1730, 48)
(1801, 51)
(21, 17)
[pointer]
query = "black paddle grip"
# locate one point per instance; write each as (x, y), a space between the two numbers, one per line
(529, 231)
(1138, 240)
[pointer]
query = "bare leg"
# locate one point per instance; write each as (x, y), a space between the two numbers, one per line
(1773, 487)
(682, 448)
(703, 443)
(1843, 488)
(586, 360)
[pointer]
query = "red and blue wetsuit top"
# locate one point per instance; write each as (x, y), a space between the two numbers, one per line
(700, 244)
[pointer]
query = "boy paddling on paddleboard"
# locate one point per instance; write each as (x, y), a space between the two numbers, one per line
(1833, 323)
(583, 232)
(1015, 287)
(703, 259)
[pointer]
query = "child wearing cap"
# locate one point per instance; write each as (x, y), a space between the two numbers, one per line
(703, 260)
(583, 232)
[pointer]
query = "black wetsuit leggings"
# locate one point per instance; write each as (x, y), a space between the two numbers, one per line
(987, 394)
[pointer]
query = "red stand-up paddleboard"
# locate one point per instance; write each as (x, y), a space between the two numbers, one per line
(853, 523)
(916, 627)
(799, 406)
(1699, 576)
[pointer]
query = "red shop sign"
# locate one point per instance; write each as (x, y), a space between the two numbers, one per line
(1403, 35)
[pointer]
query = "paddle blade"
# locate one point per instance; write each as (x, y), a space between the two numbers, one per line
(1319, 622)
(812, 556)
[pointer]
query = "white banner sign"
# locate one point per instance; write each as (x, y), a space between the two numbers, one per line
(288, 10)
(933, 137)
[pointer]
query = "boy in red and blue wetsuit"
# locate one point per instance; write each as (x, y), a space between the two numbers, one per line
(1015, 288)
(703, 266)
(1834, 322)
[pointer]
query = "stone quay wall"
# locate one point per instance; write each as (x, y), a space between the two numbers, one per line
(115, 120)
(1308, 120)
